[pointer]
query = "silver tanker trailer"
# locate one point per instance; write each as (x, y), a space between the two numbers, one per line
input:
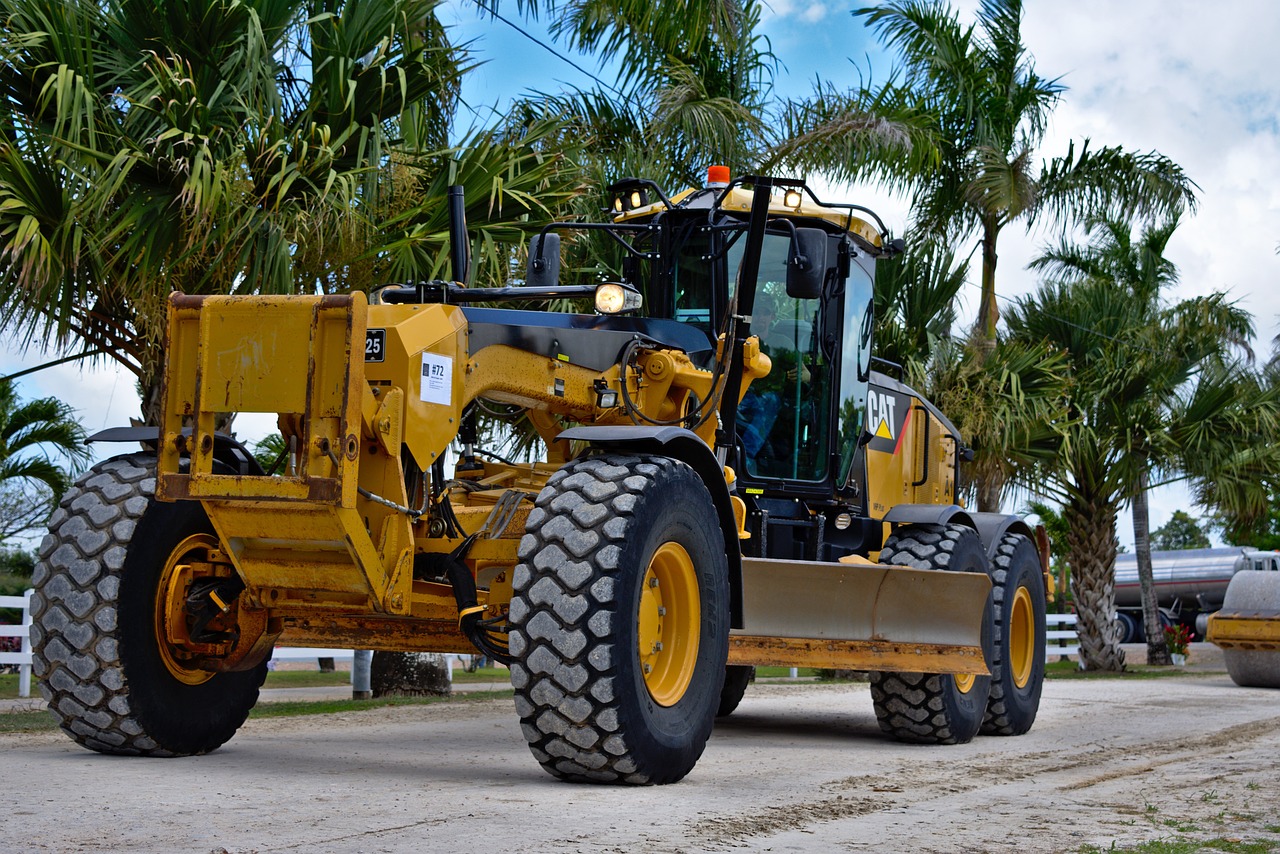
(1190, 585)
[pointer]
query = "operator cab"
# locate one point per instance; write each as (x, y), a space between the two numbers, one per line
(819, 341)
(782, 425)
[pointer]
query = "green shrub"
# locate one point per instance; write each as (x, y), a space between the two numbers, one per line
(18, 563)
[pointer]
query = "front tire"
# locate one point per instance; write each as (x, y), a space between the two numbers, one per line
(934, 708)
(1017, 670)
(109, 680)
(620, 621)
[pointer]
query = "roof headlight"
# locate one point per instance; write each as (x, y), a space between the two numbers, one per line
(615, 298)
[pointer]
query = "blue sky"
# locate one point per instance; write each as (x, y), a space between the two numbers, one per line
(1146, 74)
(806, 37)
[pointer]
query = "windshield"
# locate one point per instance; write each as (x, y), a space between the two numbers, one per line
(783, 418)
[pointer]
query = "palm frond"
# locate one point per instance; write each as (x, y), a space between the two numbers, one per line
(1113, 183)
(879, 133)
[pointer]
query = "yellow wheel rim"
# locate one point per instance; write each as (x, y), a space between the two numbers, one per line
(170, 594)
(1022, 637)
(964, 682)
(670, 621)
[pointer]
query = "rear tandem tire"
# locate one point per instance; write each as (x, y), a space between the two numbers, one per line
(934, 708)
(736, 679)
(95, 645)
(1017, 670)
(620, 621)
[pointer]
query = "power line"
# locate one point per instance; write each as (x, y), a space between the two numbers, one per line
(551, 50)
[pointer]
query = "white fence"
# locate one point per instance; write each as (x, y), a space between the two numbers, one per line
(23, 630)
(1061, 637)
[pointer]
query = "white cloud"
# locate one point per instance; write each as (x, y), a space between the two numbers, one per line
(814, 13)
(1204, 92)
(804, 10)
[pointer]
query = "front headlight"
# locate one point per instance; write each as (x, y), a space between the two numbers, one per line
(615, 298)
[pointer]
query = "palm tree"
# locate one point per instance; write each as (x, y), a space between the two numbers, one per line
(1243, 522)
(1237, 478)
(1175, 350)
(972, 110)
(1009, 407)
(1148, 398)
(1084, 321)
(265, 146)
(33, 436)
(693, 84)
(691, 88)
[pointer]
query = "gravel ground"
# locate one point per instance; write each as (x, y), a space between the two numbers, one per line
(797, 768)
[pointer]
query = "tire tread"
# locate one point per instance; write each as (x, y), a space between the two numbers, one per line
(563, 616)
(1001, 718)
(911, 706)
(75, 651)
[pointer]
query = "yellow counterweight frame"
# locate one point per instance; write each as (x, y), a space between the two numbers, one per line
(327, 546)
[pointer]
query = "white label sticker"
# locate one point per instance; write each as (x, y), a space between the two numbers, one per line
(437, 379)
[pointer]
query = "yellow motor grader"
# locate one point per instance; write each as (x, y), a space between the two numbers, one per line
(726, 483)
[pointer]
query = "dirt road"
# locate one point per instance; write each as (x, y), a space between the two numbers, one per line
(797, 768)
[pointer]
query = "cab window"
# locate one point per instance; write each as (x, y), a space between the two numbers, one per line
(782, 420)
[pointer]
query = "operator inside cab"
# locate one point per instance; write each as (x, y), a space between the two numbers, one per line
(782, 392)
(783, 415)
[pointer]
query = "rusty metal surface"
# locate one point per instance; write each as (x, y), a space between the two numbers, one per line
(280, 355)
(389, 634)
(307, 537)
(855, 655)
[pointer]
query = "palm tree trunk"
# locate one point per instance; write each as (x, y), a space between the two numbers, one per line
(988, 487)
(409, 674)
(990, 484)
(1091, 554)
(1157, 649)
(988, 310)
(150, 392)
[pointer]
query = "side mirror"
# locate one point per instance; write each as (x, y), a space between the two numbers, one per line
(807, 263)
(544, 261)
